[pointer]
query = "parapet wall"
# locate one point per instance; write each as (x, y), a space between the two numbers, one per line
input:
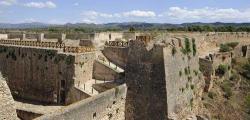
(109, 105)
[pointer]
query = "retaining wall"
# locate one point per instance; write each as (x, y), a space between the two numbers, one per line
(108, 105)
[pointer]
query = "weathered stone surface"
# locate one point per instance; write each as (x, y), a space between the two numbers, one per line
(109, 105)
(7, 105)
(44, 75)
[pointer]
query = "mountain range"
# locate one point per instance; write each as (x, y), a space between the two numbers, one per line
(116, 25)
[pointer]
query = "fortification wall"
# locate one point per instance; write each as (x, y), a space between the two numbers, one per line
(3, 36)
(184, 82)
(117, 55)
(44, 75)
(103, 72)
(109, 105)
(144, 76)
(7, 105)
(225, 37)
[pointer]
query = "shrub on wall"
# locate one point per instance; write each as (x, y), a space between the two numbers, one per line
(180, 73)
(192, 86)
(228, 46)
(187, 47)
(225, 48)
(186, 71)
(247, 101)
(69, 60)
(211, 95)
(232, 44)
(194, 47)
(221, 70)
(226, 87)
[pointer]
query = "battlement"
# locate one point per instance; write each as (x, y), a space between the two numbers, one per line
(67, 49)
(145, 39)
(116, 44)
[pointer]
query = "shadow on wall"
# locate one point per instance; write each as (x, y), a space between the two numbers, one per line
(145, 78)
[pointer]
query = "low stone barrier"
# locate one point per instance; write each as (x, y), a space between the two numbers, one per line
(48, 45)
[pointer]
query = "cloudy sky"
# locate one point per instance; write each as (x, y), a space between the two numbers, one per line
(105, 11)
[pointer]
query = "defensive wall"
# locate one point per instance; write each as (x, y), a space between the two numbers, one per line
(44, 72)
(109, 105)
(150, 70)
(210, 64)
(7, 105)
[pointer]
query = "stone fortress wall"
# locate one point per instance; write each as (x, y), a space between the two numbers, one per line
(148, 70)
(46, 71)
(40, 74)
(184, 81)
(7, 105)
(109, 105)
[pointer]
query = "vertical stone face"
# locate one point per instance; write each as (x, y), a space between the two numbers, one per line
(146, 95)
(43, 75)
(40, 37)
(23, 37)
(7, 111)
(183, 81)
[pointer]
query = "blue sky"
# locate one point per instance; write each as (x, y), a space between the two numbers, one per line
(105, 11)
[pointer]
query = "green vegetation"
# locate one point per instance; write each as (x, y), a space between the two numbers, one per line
(232, 44)
(69, 60)
(192, 86)
(221, 70)
(225, 48)
(247, 101)
(81, 64)
(187, 47)
(194, 47)
(189, 79)
(226, 87)
(195, 72)
(186, 71)
(228, 46)
(180, 73)
(211, 95)
(246, 71)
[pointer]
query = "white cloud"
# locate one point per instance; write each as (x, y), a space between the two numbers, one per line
(209, 14)
(47, 4)
(93, 16)
(7, 2)
(139, 13)
(89, 21)
(134, 13)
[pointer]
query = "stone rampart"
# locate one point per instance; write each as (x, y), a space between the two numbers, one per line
(44, 75)
(103, 71)
(7, 105)
(116, 55)
(109, 105)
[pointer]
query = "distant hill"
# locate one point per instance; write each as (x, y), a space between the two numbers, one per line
(24, 25)
(125, 25)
